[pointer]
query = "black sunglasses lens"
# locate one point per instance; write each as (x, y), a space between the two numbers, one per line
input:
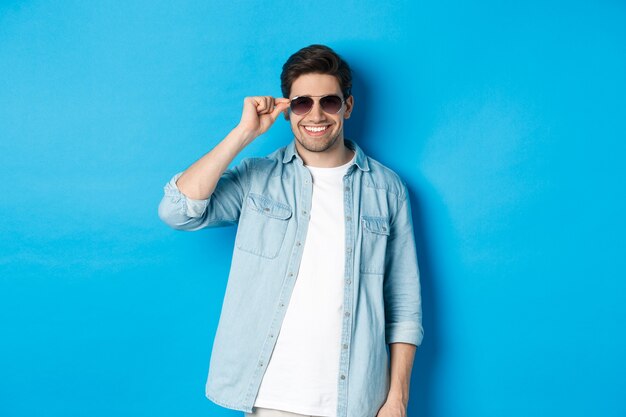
(331, 104)
(301, 105)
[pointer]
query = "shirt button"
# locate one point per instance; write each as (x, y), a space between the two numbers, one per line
(348, 218)
(298, 243)
(291, 274)
(271, 335)
(260, 363)
(347, 188)
(348, 281)
(282, 304)
(347, 314)
(304, 212)
(266, 209)
(348, 250)
(343, 377)
(345, 346)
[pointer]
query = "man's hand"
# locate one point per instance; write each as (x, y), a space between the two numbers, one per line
(392, 408)
(259, 114)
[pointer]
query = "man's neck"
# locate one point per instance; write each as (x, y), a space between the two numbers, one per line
(334, 157)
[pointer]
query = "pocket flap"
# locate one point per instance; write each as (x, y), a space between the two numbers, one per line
(378, 225)
(268, 207)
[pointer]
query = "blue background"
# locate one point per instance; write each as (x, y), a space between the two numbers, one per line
(506, 120)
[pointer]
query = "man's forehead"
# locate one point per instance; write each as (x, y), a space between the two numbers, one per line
(315, 84)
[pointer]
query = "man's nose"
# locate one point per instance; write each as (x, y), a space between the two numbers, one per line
(316, 113)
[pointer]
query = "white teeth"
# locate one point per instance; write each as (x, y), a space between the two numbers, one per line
(315, 129)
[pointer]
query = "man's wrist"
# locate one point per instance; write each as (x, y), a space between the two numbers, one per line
(244, 135)
(398, 397)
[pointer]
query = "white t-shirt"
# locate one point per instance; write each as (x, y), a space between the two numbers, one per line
(301, 376)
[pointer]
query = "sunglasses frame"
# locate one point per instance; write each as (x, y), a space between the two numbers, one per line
(343, 101)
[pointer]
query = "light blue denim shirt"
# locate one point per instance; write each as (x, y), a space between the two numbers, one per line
(270, 199)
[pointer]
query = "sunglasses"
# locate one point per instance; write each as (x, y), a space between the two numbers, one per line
(331, 104)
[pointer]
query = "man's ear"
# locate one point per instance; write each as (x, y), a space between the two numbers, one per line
(349, 107)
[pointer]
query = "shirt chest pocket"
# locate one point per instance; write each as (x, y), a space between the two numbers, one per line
(375, 232)
(262, 226)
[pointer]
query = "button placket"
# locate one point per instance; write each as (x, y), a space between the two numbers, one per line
(349, 290)
(299, 237)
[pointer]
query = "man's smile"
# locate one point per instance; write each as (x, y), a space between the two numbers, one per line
(316, 130)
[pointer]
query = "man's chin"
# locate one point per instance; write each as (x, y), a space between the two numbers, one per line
(317, 144)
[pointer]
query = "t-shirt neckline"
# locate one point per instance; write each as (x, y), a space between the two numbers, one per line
(331, 170)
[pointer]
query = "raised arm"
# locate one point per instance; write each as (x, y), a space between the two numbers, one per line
(259, 113)
(208, 193)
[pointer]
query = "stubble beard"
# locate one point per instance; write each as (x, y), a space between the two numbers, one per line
(313, 145)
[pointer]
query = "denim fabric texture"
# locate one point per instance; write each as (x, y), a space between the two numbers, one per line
(269, 198)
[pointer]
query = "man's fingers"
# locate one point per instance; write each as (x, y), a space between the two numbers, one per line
(268, 105)
(255, 103)
(262, 105)
(281, 106)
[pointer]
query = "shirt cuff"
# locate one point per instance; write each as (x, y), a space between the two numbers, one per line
(191, 207)
(405, 332)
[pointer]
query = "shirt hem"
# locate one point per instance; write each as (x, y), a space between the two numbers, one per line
(227, 405)
(294, 409)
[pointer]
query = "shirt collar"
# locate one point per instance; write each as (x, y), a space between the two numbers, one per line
(360, 160)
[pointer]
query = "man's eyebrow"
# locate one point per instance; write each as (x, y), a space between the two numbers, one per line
(322, 95)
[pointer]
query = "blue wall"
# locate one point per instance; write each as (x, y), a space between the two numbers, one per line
(506, 121)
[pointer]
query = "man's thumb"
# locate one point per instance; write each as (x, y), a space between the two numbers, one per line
(280, 107)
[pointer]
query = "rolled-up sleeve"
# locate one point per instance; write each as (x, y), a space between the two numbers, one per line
(222, 208)
(401, 287)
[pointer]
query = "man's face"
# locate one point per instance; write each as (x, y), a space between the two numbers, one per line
(331, 136)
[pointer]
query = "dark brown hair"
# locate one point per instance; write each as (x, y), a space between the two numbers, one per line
(319, 59)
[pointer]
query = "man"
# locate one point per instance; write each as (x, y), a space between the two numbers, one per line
(324, 272)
